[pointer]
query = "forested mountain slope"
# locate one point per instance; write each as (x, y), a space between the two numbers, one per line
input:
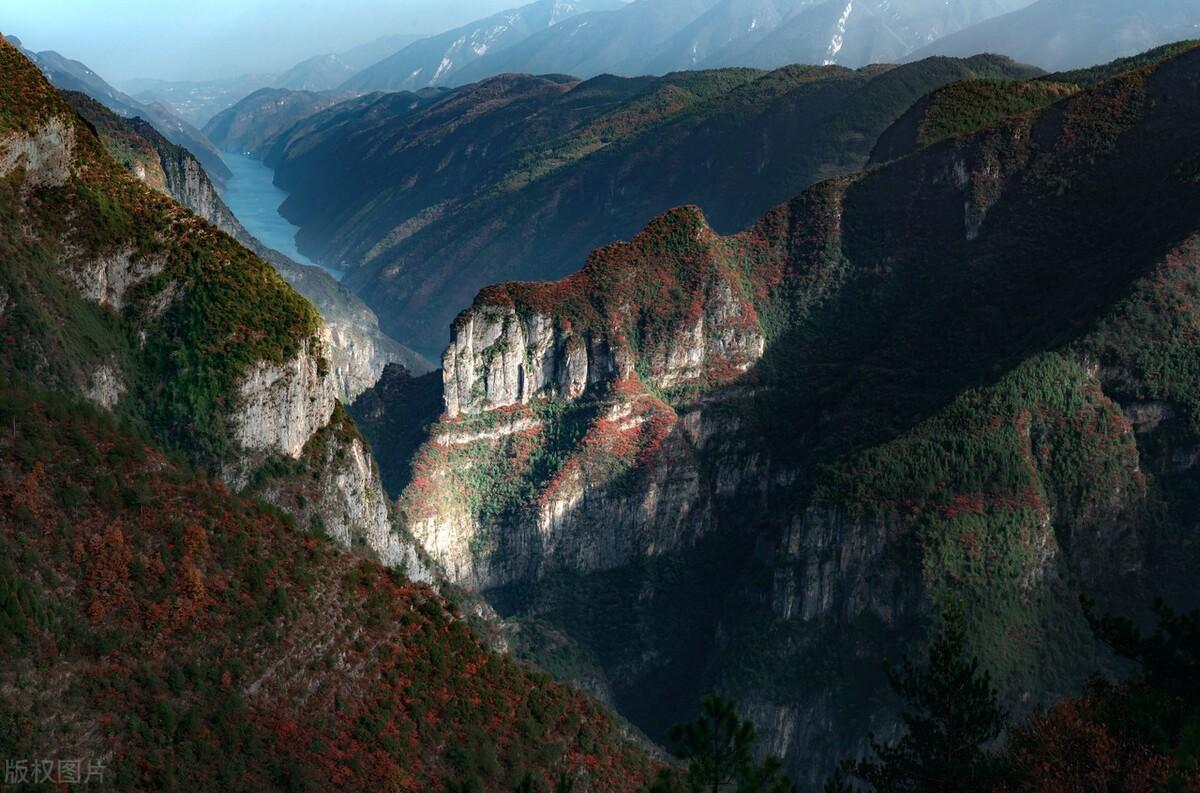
(752, 462)
(153, 620)
(426, 199)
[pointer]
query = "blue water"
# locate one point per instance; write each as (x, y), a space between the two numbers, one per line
(253, 197)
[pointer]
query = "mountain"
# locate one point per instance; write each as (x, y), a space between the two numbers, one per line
(1067, 34)
(426, 201)
(614, 41)
(358, 350)
(318, 73)
(877, 31)
(199, 100)
(438, 60)
(374, 51)
(185, 633)
(753, 462)
(657, 36)
(72, 75)
(121, 296)
(248, 124)
(156, 622)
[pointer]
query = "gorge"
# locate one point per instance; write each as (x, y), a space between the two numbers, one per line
(854, 409)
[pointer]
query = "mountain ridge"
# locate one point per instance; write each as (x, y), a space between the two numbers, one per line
(946, 374)
(570, 165)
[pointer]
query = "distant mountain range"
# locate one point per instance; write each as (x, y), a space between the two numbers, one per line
(199, 100)
(1069, 34)
(585, 39)
(443, 59)
(71, 75)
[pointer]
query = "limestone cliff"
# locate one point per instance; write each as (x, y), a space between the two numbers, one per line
(45, 153)
(753, 462)
(333, 486)
(669, 326)
(182, 329)
(526, 360)
(356, 347)
(280, 406)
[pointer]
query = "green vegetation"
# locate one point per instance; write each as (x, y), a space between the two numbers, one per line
(968, 106)
(206, 638)
(953, 713)
(718, 748)
(1098, 74)
(1136, 735)
(199, 312)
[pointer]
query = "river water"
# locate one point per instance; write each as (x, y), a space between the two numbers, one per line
(254, 199)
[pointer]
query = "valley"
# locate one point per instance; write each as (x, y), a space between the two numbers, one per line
(254, 200)
(503, 399)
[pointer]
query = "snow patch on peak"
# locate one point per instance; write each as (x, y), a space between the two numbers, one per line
(443, 67)
(839, 37)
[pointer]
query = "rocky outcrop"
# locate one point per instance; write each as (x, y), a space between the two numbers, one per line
(522, 342)
(46, 153)
(189, 184)
(105, 279)
(498, 358)
(335, 487)
(105, 386)
(281, 406)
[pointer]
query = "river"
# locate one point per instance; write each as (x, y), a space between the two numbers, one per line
(255, 200)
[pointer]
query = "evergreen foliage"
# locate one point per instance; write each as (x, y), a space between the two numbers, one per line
(719, 750)
(953, 713)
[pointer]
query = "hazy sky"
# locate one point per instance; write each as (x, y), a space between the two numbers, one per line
(191, 39)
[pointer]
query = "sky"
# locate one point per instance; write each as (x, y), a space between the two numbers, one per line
(204, 39)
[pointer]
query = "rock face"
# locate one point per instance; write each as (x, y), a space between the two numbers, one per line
(106, 278)
(498, 358)
(105, 386)
(508, 348)
(596, 516)
(46, 154)
(281, 406)
(335, 488)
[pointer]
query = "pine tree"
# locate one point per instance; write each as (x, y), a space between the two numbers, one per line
(719, 749)
(953, 711)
